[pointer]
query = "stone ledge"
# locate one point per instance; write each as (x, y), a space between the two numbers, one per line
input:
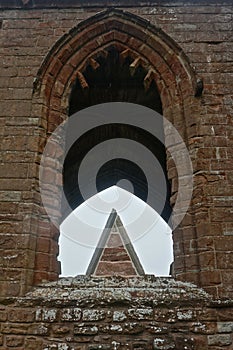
(137, 313)
(145, 290)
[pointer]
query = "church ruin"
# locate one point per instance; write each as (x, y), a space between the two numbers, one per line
(59, 57)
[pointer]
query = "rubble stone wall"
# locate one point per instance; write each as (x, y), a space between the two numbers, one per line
(203, 244)
(116, 313)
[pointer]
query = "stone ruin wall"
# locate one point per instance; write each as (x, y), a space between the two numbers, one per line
(144, 313)
(68, 319)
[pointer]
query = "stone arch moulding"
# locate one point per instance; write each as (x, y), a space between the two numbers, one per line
(71, 52)
(175, 80)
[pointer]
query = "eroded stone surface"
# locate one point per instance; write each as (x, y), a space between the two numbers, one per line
(88, 313)
(109, 290)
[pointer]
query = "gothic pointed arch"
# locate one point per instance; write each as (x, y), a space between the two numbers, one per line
(157, 51)
(163, 62)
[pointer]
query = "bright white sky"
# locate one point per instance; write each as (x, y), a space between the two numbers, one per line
(81, 230)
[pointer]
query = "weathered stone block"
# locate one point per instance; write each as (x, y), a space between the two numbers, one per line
(14, 341)
(157, 328)
(15, 328)
(225, 327)
(61, 329)
(83, 329)
(46, 315)
(141, 314)
(73, 314)
(134, 328)
(3, 315)
(119, 316)
(112, 329)
(220, 339)
(185, 315)
(93, 315)
(21, 315)
(163, 344)
(38, 329)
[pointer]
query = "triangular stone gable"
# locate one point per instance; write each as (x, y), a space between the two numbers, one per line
(115, 254)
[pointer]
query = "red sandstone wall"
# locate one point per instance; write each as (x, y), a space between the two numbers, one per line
(116, 314)
(204, 32)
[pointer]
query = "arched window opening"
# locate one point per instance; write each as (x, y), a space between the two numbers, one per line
(67, 82)
(110, 78)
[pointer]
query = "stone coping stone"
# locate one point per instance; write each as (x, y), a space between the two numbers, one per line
(89, 290)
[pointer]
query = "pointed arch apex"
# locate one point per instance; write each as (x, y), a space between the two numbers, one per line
(128, 29)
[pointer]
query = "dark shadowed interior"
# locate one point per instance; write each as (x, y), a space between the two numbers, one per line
(113, 81)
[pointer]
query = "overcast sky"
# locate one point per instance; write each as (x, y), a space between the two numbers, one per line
(81, 230)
